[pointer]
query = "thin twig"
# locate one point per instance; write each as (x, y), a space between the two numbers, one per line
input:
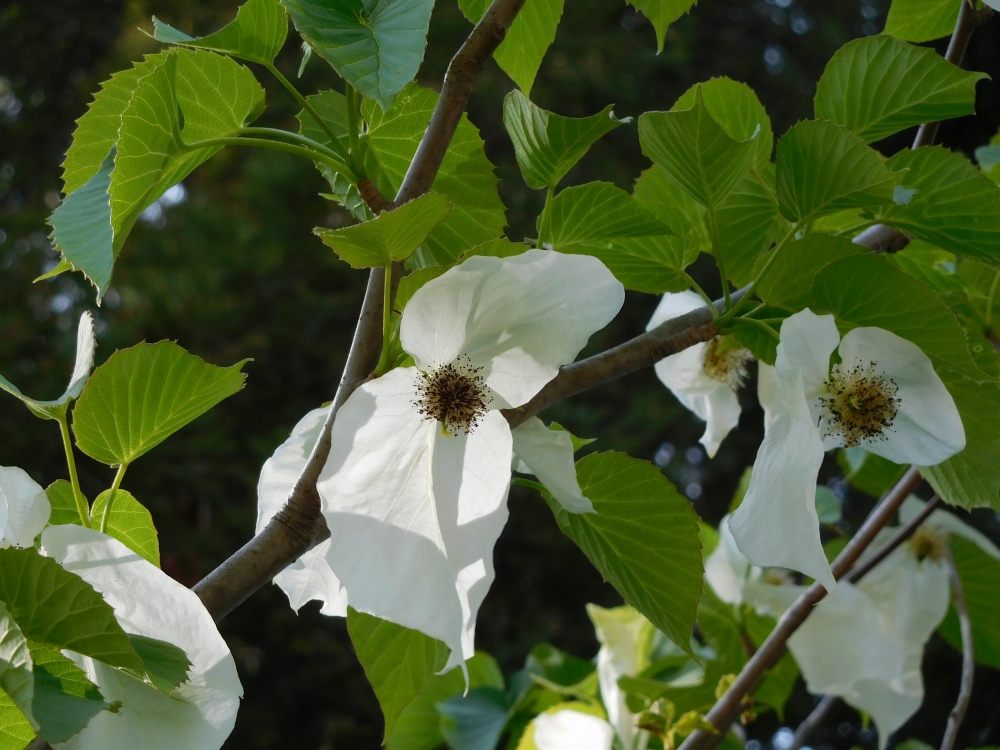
(812, 721)
(968, 656)
(728, 707)
(299, 524)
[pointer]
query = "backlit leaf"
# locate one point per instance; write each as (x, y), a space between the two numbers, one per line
(735, 107)
(257, 33)
(748, 222)
(661, 14)
(130, 523)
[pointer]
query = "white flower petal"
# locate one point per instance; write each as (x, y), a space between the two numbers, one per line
(625, 638)
(520, 318)
(769, 599)
(24, 508)
(548, 454)
(807, 341)
(726, 569)
(927, 429)
(310, 577)
(673, 306)
(414, 513)
(149, 602)
(767, 393)
(947, 523)
(776, 524)
(572, 730)
(86, 345)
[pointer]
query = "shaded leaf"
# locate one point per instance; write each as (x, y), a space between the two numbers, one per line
(643, 539)
(130, 523)
(397, 661)
(142, 395)
(871, 474)
(736, 108)
(257, 33)
(165, 665)
(60, 495)
(789, 281)
(921, 20)
(746, 223)
(878, 85)
(662, 197)
(376, 46)
(65, 700)
(475, 721)
(548, 145)
(662, 13)
(979, 574)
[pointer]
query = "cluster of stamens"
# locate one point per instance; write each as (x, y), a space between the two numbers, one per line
(927, 545)
(862, 404)
(728, 366)
(454, 395)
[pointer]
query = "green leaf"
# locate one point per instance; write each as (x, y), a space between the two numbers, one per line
(64, 511)
(142, 395)
(130, 523)
(375, 45)
(661, 196)
(15, 730)
(256, 34)
(602, 220)
(498, 248)
(735, 107)
(921, 20)
(397, 661)
(86, 344)
(55, 607)
(956, 207)
(475, 721)
(827, 505)
(548, 145)
(466, 176)
(165, 665)
(558, 667)
(869, 473)
(747, 222)
(878, 85)
(779, 681)
(97, 131)
(789, 281)
(65, 700)
(643, 539)
(393, 235)
(16, 667)
(419, 725)
(823, 168)
(759, 341)
(971, 479)
(979, 574)
(529, 37)
(868, 290)
(662, 13)
(695, 151)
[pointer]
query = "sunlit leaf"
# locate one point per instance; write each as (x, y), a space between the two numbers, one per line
(789, 281)
(130, 523)
(662, 13)
(257, 33)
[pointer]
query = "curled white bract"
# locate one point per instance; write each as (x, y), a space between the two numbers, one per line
(415, 488)
(703, 380)
(201, 712)
(548, 454)
(24, 508)
(883, 395)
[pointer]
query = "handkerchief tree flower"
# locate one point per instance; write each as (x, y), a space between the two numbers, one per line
(414, 491)
(882, 395)
(706, 377)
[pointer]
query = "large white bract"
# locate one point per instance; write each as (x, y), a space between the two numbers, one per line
(567, 729)
(200, 713)
(24, 508)
(883, 396)
(414, 491)
(703, 378)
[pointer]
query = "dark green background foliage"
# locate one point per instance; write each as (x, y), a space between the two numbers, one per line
(235, 272)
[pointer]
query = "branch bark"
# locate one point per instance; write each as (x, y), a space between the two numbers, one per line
(812, 721)
(725, 711)
(968, 656)
(300, 524)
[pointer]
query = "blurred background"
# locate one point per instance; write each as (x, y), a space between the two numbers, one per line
(226, 265)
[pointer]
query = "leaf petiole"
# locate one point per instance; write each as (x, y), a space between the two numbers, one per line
(111, 497)
(543, 221)
(291, 148)
(81, 502)
(383, 360)
(353, 105)
(304, 103)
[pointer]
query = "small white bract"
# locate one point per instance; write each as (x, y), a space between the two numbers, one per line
(883, 396)
(414, 491)
(704, 377)
(24, 508)
(567, 729)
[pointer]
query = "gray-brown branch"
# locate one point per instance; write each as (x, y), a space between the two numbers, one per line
(299, 524)
(968, 656)
(812, 721)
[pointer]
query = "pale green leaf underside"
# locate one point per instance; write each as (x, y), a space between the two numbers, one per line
(391, 236)
(15, 730)
(789, 282)
(548, 145)
(956, 207)
(529, 37)
(921, 20)
(695, 151)
(142, 395)
(822, 168)
(736, 108)
(466, 176)
(397, 661)
(878, 85)
(376, 46)
(257, 33)
(643, 539)
(663, 198)
(64, 511)
(55, 607)
(662, 13)
(747, 223)
(130, 523)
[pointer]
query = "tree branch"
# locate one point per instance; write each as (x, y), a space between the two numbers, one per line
(299, 524)
(725, 711)
(968, 656)
(812, 721)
